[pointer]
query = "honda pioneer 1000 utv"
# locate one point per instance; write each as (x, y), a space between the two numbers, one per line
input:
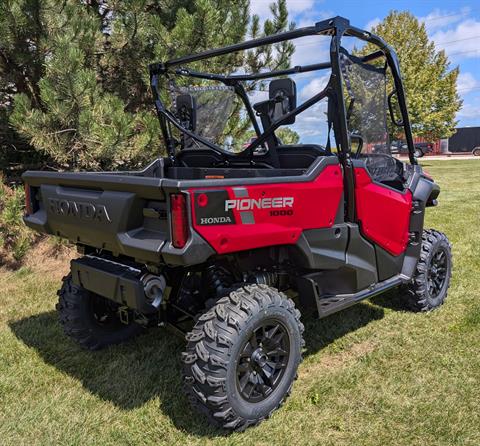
(207, 239)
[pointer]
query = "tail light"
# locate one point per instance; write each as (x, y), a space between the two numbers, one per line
(28, 200)
(179, 220)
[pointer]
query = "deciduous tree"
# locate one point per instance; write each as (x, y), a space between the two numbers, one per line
(430, 82)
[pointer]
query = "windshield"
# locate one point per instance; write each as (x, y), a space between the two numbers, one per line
(366, 103)
(219, 114)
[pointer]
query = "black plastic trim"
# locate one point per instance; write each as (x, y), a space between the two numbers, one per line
(361, 258)
(422, 189)
(330, 305)
(111, 280)
(388, 265)
(122, 182)
(324, 248)
(313, 171)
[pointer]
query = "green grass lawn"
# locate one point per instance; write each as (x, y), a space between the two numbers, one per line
(372, 374)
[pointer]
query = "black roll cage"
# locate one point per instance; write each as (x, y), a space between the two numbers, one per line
(336, 27)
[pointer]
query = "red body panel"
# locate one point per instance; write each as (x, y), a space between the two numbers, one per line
(384, 213)
(314, 205)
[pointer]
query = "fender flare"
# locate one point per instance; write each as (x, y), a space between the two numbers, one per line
(424, 193)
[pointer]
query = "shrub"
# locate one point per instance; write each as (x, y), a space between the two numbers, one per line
(15, 237)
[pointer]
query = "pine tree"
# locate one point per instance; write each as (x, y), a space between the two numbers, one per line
(20, 70)
(288, 136)
(430, 84)
(76, 72)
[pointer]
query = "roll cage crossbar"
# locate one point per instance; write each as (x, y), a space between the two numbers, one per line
(337, 28)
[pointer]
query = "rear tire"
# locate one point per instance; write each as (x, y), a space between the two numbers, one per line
(429, 286)
(242, 357)
(476, 151)
(91, 320)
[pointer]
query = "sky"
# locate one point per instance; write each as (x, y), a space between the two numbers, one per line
(453, 25)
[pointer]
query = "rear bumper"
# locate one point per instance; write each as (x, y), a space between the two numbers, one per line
(113, 281)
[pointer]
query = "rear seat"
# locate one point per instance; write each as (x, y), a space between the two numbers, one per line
(298, 156)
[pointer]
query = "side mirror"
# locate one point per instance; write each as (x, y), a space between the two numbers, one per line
(283, 95)
(187, 111)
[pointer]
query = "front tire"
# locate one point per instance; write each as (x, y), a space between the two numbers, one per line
(429, 286)
(476, 151)
(242, 356)
(91, 320)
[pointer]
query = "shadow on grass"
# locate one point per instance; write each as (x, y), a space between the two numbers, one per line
(128, 375)
(148, 367)
(393, 299)
(321, 332)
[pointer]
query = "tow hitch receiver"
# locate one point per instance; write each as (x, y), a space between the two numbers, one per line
(123, 315)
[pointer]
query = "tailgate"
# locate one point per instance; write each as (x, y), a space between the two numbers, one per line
(123, 214)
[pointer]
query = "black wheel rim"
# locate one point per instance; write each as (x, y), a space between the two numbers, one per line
(437, 273)
(263, 361)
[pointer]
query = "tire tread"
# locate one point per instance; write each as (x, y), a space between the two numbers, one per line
(71, 316)
(221, 326)
(416, 297)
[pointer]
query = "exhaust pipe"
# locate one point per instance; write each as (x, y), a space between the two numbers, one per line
(154, 288)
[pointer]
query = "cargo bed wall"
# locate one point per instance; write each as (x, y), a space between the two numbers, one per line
(123, 214)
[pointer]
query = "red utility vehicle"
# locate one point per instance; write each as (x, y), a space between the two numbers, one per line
(206, 240)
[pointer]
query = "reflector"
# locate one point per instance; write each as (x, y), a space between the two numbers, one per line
(179, 220)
